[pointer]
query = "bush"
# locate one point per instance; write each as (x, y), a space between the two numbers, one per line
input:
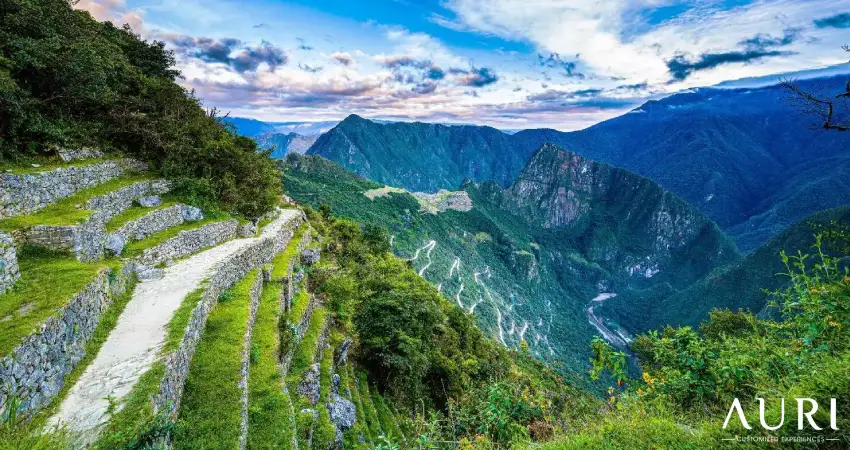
(69, 80)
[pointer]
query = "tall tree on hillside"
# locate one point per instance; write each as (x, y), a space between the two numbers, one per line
(832, 109)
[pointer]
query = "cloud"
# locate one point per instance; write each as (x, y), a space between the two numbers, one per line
(311, 69)
(554, 60)
(681, 68)
(262, 25)
(344, 58)
(837, 21)
(230, 51)
(753, 49)
(302, 45)
(479, 77)
(114, 11)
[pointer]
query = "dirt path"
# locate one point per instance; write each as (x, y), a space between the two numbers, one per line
(134, 344)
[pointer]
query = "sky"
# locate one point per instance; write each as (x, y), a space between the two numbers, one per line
(512, 64)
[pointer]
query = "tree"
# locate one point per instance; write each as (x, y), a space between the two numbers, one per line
(832, 109)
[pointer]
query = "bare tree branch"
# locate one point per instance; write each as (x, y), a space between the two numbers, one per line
(823, 106)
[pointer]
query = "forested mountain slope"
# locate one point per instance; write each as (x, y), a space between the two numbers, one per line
(745, 157)
(532, 263)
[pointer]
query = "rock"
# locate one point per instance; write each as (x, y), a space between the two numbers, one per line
(191, 213)
(310, 256)
(309, 386)
(343, 413)
(342, 352)
(335, 383)
(115, 243)
(248, 230)
(149, 201)
(146, 273)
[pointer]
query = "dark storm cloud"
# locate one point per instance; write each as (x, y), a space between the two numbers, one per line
(837, 21)
(480, 77)
(230, 51)
(554, 60)
(756, 48)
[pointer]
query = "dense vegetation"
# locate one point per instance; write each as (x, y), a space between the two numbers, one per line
(521, 279)
(446, 380)
(68, 80)
(744, 157)
(692, 376)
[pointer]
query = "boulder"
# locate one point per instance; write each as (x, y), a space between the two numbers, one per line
(149, 201)
(248, 230)
(342, 352)
(310, 386)
(191, 213)
(310, 256)
(115, 243)
(343, 412)
(335, 380)
(147, 273)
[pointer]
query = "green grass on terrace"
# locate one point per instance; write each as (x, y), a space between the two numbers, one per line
(135, 212)
(352, 436)
(177, 325)
(68, 211)
(48, 281)
(46, 164)
(372, 421)
(136, 248)
(281, 263)
(304, 355)
(299, 305)
(210, 411)
(268, 407)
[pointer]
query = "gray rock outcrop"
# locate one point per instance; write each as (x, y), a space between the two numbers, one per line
(9, 271)
(309, 385)
(310, 256)
(150, 201)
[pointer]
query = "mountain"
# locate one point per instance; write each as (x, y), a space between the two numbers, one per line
(532, 261)
(420, 156)
(249, 127)
(284, 143)
(739, 285)
(305, 128)
(745, 157)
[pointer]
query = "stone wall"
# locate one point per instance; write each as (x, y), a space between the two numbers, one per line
(225, 274)
(149, 224)
(9, 272)
(87, 240)
(24, 194)
(34, 372)
(256, 292)
(67, 154)
(190, 241)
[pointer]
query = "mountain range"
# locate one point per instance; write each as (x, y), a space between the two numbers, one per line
(745, 157)
(533, 260)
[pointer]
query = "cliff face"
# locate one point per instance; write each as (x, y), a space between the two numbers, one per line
(620, 218)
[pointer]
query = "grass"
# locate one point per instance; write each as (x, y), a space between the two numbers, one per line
(301, 361)
(386, 416)
(352, 435)
(268, 407)
(210, 412)
(135, 424)
(48, 280)
(373, 424)
(135, 212)
(177, 325)
(107, 322)
(283, 261)
(137, 247)
(45, 164)
(68, 210)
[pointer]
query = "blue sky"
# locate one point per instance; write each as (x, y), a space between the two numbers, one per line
(564, 64)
